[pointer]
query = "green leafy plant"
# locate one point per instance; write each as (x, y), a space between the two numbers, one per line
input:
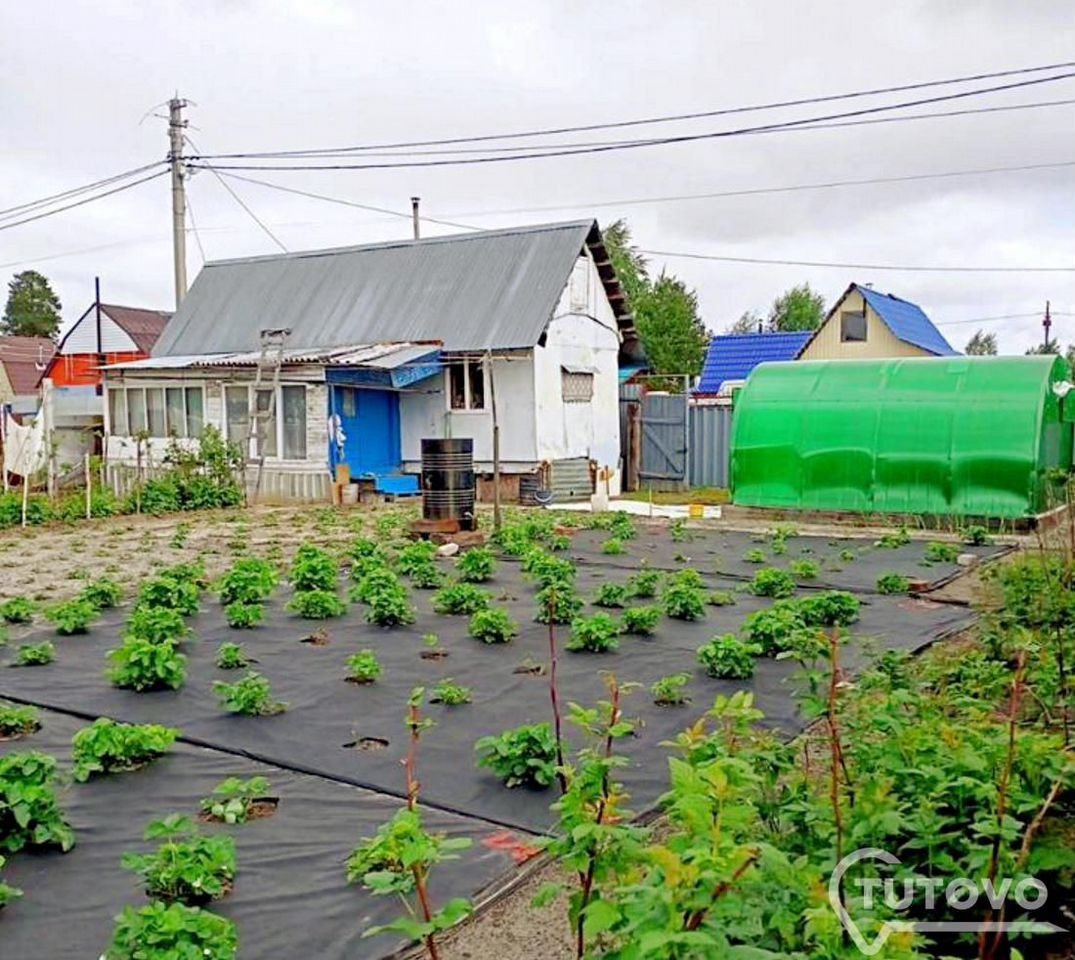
(249, 581)
(644, 584)
(366, 556)
(803, 569)
(7, 892)
(316, 605)
(376, 580)
(157, 625)
(848, 556)
(977, 536)
(612, 595)
(773, 628)
(30, 814)
(17, 721)
(390, 606)
(106, 746)
(427, 576)
(363, 667)
(142, 665)
(170, 592)
(613, 547)
(893, 583)
(558, 603)
(188, 867)
(769, 582)
(231, 656)
(833, 608)
(894, 539)
(641, 621)
(547, 569)
(460, 598)
(941, 552)
(684, 601)
(728, 657)
(754, 555)
(414, 556)
(241, 615)
(313, 569)
(17, 610)
(596, 634)
(493, 626)
(450, 694)
(161, 930)
(679, 530)
(670, 691)
(35, 654)
(721, 598)
(522, 757)
(235, 800)
(250, 696)
(102, 593)
(476, 565)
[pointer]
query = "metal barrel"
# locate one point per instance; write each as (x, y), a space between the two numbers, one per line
(448, 484)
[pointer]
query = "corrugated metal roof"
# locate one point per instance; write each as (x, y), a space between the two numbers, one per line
(908, 322)
(494, 289)
(143, 326)
(732, 356)
(384, 356)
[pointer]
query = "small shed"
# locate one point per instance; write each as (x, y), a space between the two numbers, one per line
(963, 436)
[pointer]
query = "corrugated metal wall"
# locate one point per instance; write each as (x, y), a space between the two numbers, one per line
(570, 479)
(709, 440)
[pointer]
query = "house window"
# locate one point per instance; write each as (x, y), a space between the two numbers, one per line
(576, 385)
(117, 412)
(237, 410)
(466, 385)
(175, 408)
(282, 423)
(266, 425)
(156, 411)
(293, 410)
(136, 411)
(195, 411)
(853, 326)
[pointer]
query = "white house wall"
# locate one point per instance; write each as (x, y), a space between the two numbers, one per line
(83, 336)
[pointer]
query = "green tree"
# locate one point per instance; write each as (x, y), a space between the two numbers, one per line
(982, 344)
(800, 308)
(33, 309)
(1043, 349)
(750, 321)
(666, 309)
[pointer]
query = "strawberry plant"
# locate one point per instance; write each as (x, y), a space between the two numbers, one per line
(316, 604)
(754, 555)
(644, 584)
(894, 539)
(848, 556)
(7, 892)
(106, 746)
(30, 814)
(35, 654)
(641, 621)
(374, 581)
(977, 536)
(450, 694)
(679, 531)
(363, 667)
(243, 616)
(941, 552)
(670, 691)
(390, 606)
(558, 603)
(523, 757)
(721, 598)
(250, 696)
(188, 867)
(773, 628)
(728, 657)
(833, 608)
(231, 656)
(613, 547)
(476, 565)
(804, 569)
(249, 581)
(493, 626)
(161, 931)
(170, 592)
(596, 634)
(72, 617)
(366, 556)
(157, 625)
(426, 576)
(313, 570)
(414, 556)
(772, 583)
(891, 583)
(683, 601)
(17, 610)
(17, 721)
(102, 593)
(612, 595)
(460, 598)
(236, 801)
(141, 665)
(547, 569)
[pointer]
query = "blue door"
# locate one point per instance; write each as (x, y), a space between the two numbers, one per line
(369, 420)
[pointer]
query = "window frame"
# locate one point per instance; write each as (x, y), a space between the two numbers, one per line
(275, 453)
(566, 376)
(123, 392)
(466, 365)
(845, 315)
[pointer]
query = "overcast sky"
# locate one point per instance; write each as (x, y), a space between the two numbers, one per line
(82, 81)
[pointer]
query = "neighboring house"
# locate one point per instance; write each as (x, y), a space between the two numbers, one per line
(732, 356)
(865, 324)
(105, 333)
(23, 361)
(391, 343)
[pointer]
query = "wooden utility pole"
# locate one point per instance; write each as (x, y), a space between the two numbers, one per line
(176, 126)
(414, 217)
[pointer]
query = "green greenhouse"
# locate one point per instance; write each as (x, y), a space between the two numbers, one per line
(963, 436)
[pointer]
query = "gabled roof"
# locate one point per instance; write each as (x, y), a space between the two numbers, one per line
(144, 327)
(492, 289)
(907, 321)
(24, 360)
(732, 356)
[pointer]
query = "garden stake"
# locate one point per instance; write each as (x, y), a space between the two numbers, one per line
(554, 694)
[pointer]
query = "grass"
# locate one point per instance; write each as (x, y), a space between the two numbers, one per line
(709, 496)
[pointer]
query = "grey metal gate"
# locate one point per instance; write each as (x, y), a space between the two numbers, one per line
(665, 459)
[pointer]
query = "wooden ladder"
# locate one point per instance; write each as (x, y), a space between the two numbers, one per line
(270, 360)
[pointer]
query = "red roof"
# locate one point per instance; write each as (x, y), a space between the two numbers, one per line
(142, 326)
(24, 360)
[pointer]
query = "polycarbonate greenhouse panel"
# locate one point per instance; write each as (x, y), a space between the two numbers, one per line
(965, 436)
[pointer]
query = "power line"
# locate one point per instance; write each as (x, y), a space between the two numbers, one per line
(1004, 316)
(76, 191)
(907, 268)
(658, 141)
(194, 230)
(85, 200)
(646, 121)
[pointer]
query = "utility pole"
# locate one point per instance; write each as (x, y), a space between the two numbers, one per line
(176, 126)
(414, 216)
(1046, 324)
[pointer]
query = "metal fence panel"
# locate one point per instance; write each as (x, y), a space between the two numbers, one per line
(709, 440)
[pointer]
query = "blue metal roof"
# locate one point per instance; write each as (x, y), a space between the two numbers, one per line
(732, 356)
(908, 322)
